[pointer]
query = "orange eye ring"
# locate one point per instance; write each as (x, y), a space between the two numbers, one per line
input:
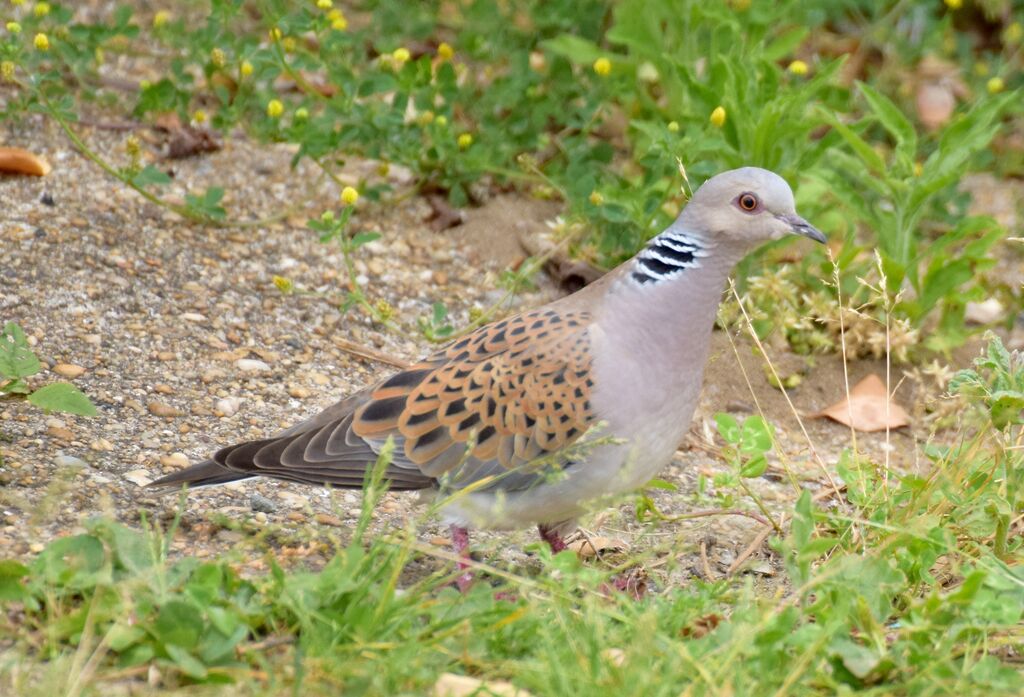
(747, 202)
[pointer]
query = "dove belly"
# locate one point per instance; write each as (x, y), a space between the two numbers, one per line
(606, 472)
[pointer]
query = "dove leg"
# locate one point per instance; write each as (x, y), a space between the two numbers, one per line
(460, 541)
(552, 537)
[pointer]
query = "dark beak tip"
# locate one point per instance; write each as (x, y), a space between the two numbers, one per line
(816, 235)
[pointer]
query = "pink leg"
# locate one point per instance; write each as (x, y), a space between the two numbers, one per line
(553, 539)
(460, 541)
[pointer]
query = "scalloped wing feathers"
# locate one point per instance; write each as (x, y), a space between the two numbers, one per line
(513, 390)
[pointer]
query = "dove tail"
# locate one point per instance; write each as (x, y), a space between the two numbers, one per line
(208, 473)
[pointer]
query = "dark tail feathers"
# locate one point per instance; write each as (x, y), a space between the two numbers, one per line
(206, 473)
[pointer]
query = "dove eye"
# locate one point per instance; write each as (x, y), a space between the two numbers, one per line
(748, 202)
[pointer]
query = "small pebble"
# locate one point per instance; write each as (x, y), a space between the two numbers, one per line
(68, 370)
(140, 477)
(251, 365)
(161, 409)
(70, 461)
(102, 445)
(328, 519)
(261, 504)
(298, 392)
(61, 433)
(175, 460)
(228, 406)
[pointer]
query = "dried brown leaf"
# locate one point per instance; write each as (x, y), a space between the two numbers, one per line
(21, 161)
(868, 408)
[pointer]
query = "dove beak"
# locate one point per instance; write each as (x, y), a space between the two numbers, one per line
(799, 226)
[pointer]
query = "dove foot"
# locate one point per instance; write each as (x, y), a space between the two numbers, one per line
(551, 536)
(632, 582)
(460, 542)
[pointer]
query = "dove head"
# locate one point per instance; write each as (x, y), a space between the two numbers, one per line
(745, 207)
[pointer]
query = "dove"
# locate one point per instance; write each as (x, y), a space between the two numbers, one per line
(532, 419)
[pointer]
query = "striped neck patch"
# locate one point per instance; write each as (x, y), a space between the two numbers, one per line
(666, 256)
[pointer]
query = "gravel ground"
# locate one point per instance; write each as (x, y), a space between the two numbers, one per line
(186, 345)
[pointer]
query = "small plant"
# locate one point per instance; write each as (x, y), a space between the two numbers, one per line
(17, 362)
(996, 384)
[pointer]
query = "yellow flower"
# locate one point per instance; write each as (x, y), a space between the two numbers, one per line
(144, 85)
(918, 169)
(442, 121)
(673, 126)
(445, 52)
(283, 284)
(41, 42)
(199, 116)
(349, 196)
(798, 67)
(218, 58)
(41, 9)
(288, 44)
(465, 140)
(995, 85)
(338, 21)
(301, 114)
(596, 198)
(954, 4)
(133, 147)
(161, 18)
(602, 66)
(17, 2)
(14, 27)
(275, 108)
(385, 310)
(245, 68)
(275, 34)
(7, 71)
(400, 56)
(324, 4)
(1013, 33)
(718, 116)
(425, 118)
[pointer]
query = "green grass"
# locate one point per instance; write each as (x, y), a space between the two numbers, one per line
(906, 584)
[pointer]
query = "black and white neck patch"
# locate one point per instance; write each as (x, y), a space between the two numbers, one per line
(666, 256)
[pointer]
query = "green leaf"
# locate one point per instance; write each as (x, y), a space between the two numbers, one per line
(1007, 408)
(577, 50)
(62, 396)
(728, 428)
(785, 43)
(757, 435)
(178, 624)
(891, 118)
(75, 562)
(359, 239)
(208, 204)
(754, 467)
(11, 587)
(16, 358)
(864, 151)
(189, 664)
(150, 176)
